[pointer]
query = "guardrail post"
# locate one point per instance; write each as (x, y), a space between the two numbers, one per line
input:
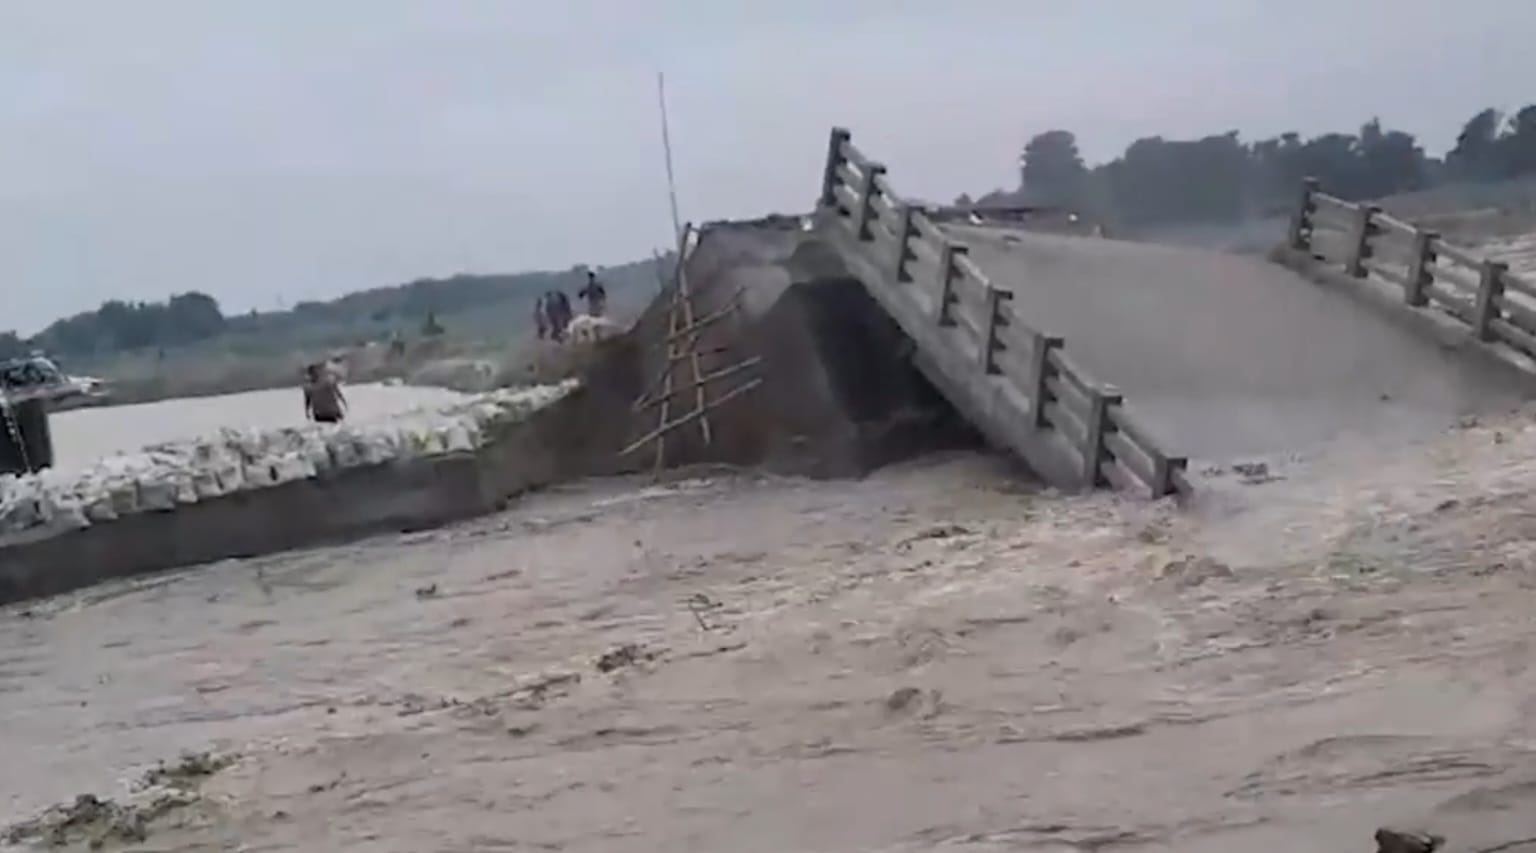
(1361, 248)
(947, 271)
(835, 158)
(1490, 286)
(995, 320)
(1422, 254)
(1040, 347)
(1099, 401)
(1162, 475)
(867, 190)
(1300, 235)
(903, 234)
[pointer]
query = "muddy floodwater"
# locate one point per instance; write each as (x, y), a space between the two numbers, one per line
(934, 658)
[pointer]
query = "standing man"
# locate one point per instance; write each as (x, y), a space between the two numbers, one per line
(323, 401)
(541, 315)
(596, 296)
(552, 314)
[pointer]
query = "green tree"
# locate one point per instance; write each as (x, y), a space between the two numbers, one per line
(1518, 143)
(11, 345)
(1391, 161)
(191, 317)
(1052, 170)
(1476, 155)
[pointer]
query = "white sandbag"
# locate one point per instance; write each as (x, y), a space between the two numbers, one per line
(432, 443)
(68, 515)
(456, 439)
(100, 509)
(231, 477)
(251, 445)
(473, 434)
(186, 489)
(125, 496)
(343, 451)
(205, 483)
(376, 449)
(156, 494)
(259, 474)
(421, 440)
(289, 467)
(21, 510)
(318, 455)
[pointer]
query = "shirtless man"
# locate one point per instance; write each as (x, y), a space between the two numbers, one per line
(323, 401)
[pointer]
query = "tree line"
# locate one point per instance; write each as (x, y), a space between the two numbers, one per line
(193, 317)
(416, 306)
(117, 325)
(1222, 178)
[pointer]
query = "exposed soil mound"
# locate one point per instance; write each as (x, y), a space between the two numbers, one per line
(839, 395)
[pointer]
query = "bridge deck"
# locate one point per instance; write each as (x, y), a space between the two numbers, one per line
(1227, 355)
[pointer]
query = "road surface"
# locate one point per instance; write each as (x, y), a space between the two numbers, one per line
(1226, 355)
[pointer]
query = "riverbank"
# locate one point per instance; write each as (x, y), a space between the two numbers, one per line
(242, 493)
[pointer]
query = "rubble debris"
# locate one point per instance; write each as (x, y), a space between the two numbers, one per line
(914, 701)
(901, 699)
(1191, 571)
(699, 604)
(1254, 473)
(622, 656)
(94, 821)
(187, 772)
(937, 531)
(532, 695)
(1399, 841)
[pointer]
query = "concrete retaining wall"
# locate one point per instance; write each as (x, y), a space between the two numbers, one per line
(345, 504)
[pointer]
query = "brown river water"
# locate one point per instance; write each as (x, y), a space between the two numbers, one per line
(933, 658)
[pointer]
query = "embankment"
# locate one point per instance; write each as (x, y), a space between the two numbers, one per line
(406, 493)
(837, 395)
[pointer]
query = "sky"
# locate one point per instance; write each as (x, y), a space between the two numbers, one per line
(272, 151)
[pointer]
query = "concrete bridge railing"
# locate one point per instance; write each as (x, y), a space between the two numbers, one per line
(1033, 392)
(1365, 242)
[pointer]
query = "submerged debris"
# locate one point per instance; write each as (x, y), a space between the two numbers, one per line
(96, 821)
(937, 531)
(187, 772)
(914, 701)
(1193, 571)
(1397, 841)
(622, 656)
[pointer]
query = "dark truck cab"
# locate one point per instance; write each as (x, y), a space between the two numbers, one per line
(27, 386)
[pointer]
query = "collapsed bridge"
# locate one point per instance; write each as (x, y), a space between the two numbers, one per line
(1096, 362)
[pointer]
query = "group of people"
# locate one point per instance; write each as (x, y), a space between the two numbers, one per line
(552, 312)
(325, 403)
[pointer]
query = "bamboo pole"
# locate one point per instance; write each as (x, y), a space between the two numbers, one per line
(704, 380)
(666, 401)
(695, 328)
(660, 432)
(700, 396)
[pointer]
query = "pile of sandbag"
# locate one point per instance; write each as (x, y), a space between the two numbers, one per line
(163, 476)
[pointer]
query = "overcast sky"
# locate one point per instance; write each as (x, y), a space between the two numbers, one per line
(269, 151)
